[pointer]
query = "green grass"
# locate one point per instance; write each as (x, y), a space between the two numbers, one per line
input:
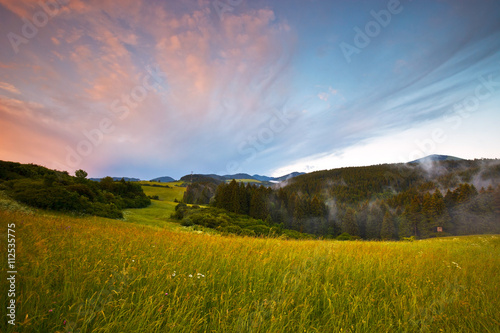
(158, 213)
(98, 275)
(173, 191)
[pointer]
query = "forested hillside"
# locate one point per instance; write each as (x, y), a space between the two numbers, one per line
(376, 202)
(49, 189)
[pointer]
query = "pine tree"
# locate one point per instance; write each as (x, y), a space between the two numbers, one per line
(298, 215)
(349, 224)
(374, 222)
(387, 230)
(413, 216)
(258, 208)
(234, 195)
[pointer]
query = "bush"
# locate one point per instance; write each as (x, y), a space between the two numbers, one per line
(231, 229)
(187, 222)
(344, 236)
(247, 232)
(261, 230)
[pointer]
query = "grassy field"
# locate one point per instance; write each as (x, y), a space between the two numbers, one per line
(158, 213)
(142, 275)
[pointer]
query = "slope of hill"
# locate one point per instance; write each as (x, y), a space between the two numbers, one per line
(43, 188)
(203, 178)
(277, 179)
(127, 179)
(436, 158)
(388, 201)
(117, 276)
(239, 176)
(164, 179)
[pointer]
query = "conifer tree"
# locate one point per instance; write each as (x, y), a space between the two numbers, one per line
(387, 230)
(349, 224)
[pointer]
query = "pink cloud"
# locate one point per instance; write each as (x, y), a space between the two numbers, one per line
(218, 77)
(9, 87)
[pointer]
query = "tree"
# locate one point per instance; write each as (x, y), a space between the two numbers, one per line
(413, 216)
(80, 174)
(387, 230)
(49, 179)
(349, 224)
(258, 205)
(374, 222)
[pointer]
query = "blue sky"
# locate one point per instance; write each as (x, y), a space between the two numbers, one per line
(155, 88)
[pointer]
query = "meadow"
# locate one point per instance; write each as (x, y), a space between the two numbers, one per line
(147, 274)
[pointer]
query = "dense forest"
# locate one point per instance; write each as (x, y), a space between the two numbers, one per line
(49, 189)
(376, 202)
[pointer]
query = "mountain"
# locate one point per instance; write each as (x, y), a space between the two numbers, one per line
(127, 179)
(196, 178)
(239, 176)
(164, 179)
(277, 179)
(290, 175)
(201, 178)
(435, 158)
(262, 178)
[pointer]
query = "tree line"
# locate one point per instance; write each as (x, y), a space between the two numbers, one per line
(377, 202)
(43, 188)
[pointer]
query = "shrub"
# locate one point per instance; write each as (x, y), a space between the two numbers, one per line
(187, 222)
(261, 230)
(247, 232)
(344, 236)
(231, 229)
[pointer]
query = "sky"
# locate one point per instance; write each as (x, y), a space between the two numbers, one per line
(154, 88)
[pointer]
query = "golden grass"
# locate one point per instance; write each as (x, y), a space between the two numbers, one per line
(99, 275)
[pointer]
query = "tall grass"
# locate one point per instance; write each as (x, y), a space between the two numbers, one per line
(99, 275)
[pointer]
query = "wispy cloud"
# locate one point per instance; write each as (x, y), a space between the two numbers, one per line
(9, 87)
(225, 79)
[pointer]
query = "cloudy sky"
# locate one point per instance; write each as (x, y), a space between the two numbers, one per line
(161, 88)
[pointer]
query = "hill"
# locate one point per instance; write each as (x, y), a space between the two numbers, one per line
(277, 179)
(164, 179)
(436, 158)
(40, 187)
(194, 178)
(127, 179)
(390, 201)
(239, 176)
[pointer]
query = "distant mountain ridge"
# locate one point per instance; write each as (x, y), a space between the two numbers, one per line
(436, 158)
(239, 176)
(127, 179)
(164, 179)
